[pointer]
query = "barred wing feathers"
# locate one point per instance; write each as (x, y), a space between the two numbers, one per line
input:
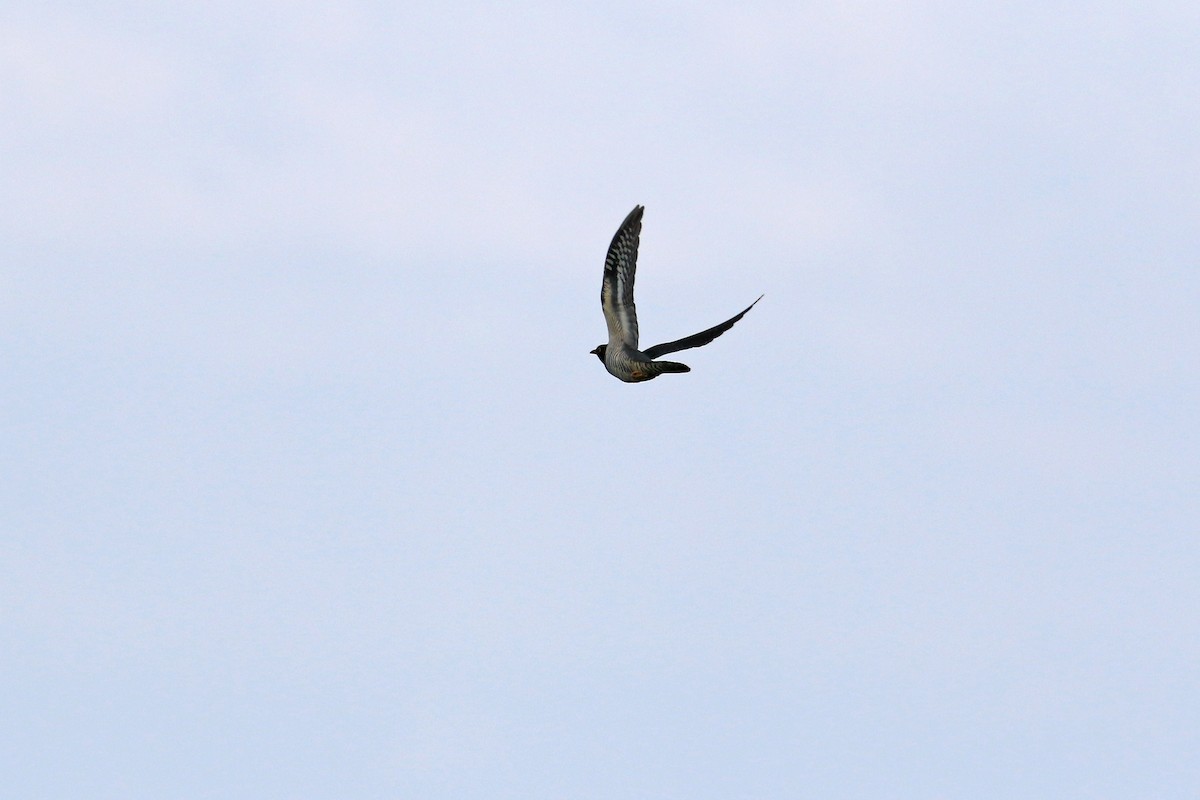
(616, 293)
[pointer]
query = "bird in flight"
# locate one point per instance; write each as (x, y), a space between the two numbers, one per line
(621, 356)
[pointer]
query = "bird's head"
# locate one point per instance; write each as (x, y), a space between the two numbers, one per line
(599, 351)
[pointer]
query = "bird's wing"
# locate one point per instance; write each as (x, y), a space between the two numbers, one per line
(697, 339)
(616, 293)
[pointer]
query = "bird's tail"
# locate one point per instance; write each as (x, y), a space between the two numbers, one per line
(671, 366)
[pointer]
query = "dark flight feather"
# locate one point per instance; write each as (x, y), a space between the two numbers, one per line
(696, 339)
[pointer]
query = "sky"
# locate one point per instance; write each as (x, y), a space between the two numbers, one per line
(310, 488)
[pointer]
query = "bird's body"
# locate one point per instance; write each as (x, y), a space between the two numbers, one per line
(632, 365)
(621, 356)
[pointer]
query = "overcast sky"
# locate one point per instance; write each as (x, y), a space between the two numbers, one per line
(309, 487)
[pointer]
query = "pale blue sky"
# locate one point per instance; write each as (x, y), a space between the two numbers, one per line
(309, 487)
